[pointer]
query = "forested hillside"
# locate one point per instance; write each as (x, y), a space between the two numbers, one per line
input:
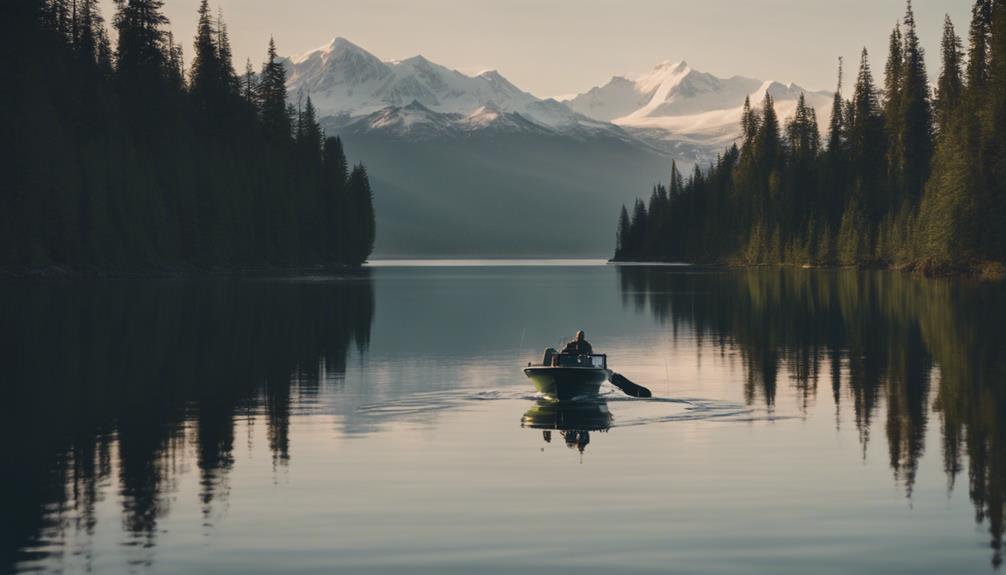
(906, 176)
(124, 158)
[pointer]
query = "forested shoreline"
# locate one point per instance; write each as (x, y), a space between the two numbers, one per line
(125, 159)
(906, 176)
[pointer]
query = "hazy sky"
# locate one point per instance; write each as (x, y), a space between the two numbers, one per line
(553, 47)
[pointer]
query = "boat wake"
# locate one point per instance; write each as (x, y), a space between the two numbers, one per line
(625, 411)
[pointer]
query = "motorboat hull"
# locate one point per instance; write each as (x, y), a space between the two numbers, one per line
(565, 383)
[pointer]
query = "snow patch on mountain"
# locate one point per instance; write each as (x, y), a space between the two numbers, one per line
(674, 103)
(661, 82)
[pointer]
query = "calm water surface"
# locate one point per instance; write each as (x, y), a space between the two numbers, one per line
(803, 421)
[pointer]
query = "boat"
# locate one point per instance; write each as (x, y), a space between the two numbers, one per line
(566, 376)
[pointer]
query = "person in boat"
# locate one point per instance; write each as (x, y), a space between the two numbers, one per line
(579, 345)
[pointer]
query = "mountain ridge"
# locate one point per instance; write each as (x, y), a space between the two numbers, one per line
(345, 80)
(676, 104)
(686, 113)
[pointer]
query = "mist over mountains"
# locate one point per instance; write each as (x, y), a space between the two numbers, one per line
(458, 162)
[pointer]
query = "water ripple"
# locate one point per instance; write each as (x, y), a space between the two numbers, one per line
(627, 411)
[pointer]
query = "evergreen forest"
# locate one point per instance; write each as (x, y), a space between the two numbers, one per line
(124, 158)
(907, 175)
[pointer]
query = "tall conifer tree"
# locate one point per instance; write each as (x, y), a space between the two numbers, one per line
(140, 53)
(272, 96)
(950, 84)
(916, 121)
(205, 73)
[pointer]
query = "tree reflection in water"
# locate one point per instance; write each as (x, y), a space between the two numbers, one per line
(115, 379)
(877, 337)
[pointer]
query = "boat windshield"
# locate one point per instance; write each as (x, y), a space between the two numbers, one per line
(585, 360)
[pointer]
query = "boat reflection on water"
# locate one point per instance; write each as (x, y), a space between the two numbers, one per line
(574, 420)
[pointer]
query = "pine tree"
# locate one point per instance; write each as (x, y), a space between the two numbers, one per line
(333, 184)
(622, 234)
(836, 157)
(309, 133)
(57, 16)
(802, 134)
(749, 123)
(50, 14)
(665, 231)
(865, 140)
(803, 142)
(272, 97)
(104, 52)
(865, 137)
(950, 85)
(140, 53)
(893, 111)
(205, 73)
(228, 79)
(638, 225)
(894, 71)
(676, 184)
(746, 177)
(361, 209)
(660, 216)
(767, 141)
(174, 62)
(249, 85)
(992, 234)
(88, 27)
(916, 117)
(767, 186)
(978, 52)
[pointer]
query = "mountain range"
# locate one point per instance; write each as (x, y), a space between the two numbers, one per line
(674, 103)
(347, 82)
(458, 161)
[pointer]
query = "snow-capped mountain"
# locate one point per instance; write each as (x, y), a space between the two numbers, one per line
(687, 113)
(417, 95)
(676, 104)
(446, 149)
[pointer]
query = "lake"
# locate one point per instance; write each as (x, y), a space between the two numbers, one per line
(379, 422)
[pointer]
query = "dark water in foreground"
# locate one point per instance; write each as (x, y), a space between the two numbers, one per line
(804, 421)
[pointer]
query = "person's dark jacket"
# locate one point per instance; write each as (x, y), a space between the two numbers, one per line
(578, 347)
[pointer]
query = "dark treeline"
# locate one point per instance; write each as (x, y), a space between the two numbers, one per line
(891, 347)
(124, 158)
(110, 386)
(905, 177)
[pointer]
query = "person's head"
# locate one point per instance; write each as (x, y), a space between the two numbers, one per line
(579, 335)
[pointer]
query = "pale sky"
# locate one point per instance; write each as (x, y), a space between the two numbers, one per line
(554, 47)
